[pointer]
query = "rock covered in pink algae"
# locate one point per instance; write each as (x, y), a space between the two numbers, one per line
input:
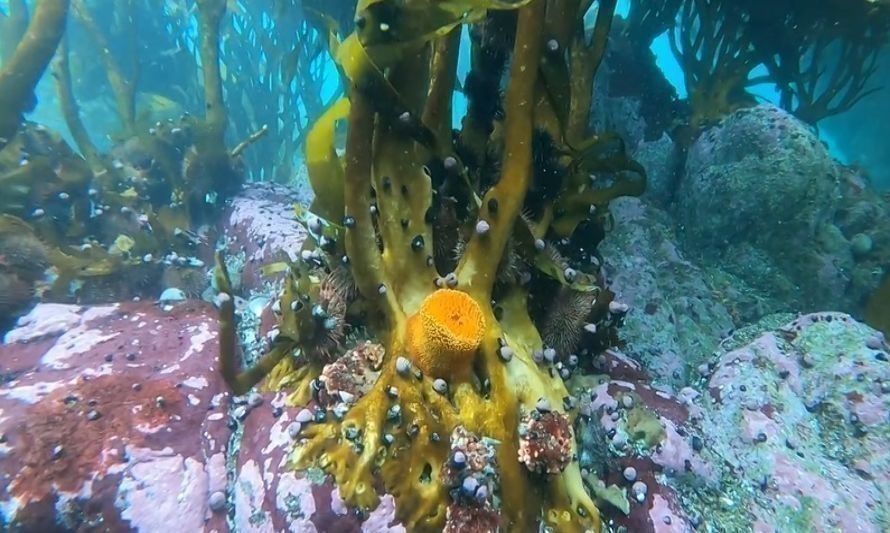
(801, 416)
(670, 334)
(112, 416)
(270, 495)
(545, 441)
(789, 434)
(260, 224)
(351, 376)
(634, 442)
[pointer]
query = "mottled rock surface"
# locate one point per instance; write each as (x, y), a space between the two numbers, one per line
(633, 441)
(259, 227)
(757, 199)
(675, 319)
(663, 161)
(112, 417)
(800, 418)
(115, 417)
(788, 433)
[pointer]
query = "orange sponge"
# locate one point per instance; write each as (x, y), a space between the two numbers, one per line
(445, 333)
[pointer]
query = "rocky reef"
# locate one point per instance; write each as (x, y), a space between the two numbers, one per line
(589, 306)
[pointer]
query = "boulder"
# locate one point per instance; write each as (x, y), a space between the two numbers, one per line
(114, 416)
(757, 199)
(259, 227)
(675, 319)
(787, 431)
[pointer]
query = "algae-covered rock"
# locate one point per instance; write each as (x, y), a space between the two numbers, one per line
(676, 318)
(788, 433)
(757, 190)
(799, 418)
(114, 416)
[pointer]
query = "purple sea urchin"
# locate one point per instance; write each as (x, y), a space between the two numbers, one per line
(566, 318)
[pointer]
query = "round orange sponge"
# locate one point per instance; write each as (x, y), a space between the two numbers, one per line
(445, 333)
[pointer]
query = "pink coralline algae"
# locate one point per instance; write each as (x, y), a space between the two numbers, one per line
(260, 223)
(351, 376)
(104, 421)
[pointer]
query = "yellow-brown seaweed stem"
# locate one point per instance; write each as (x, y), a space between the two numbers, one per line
(239, 381)
(252, 138)
(22, 71)
(122, 87)
(361, 243)
(71, 112)
(210, 15)
(479, 264)
(585, 59)
(437, 113)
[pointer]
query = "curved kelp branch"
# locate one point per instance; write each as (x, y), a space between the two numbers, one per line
(361, 240)
(437, 112)
(252, 138)
(586, 58)
(123, 87)
(711, 43)
(325, 169)
(239, 381)
(602, 156)
(503, 202)
(62, 73)
(12, 27)
(23, 70)
(647, 19)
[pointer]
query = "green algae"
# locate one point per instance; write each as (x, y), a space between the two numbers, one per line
(644, 426)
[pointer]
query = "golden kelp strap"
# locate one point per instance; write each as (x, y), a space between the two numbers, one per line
(877, 310)
(23, 69)
(239, 382)
(324, 166)
(366, 75)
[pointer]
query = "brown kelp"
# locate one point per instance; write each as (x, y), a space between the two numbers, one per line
(23, 68)
(444, 248)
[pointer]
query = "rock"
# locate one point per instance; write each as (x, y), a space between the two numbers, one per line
(804, 437)
(863, 219)
(675, 321)
(663, 162)
(785, 446)
(258, 225)
(157, 451)
(646, 447)
(757, 191)
(269, 495)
